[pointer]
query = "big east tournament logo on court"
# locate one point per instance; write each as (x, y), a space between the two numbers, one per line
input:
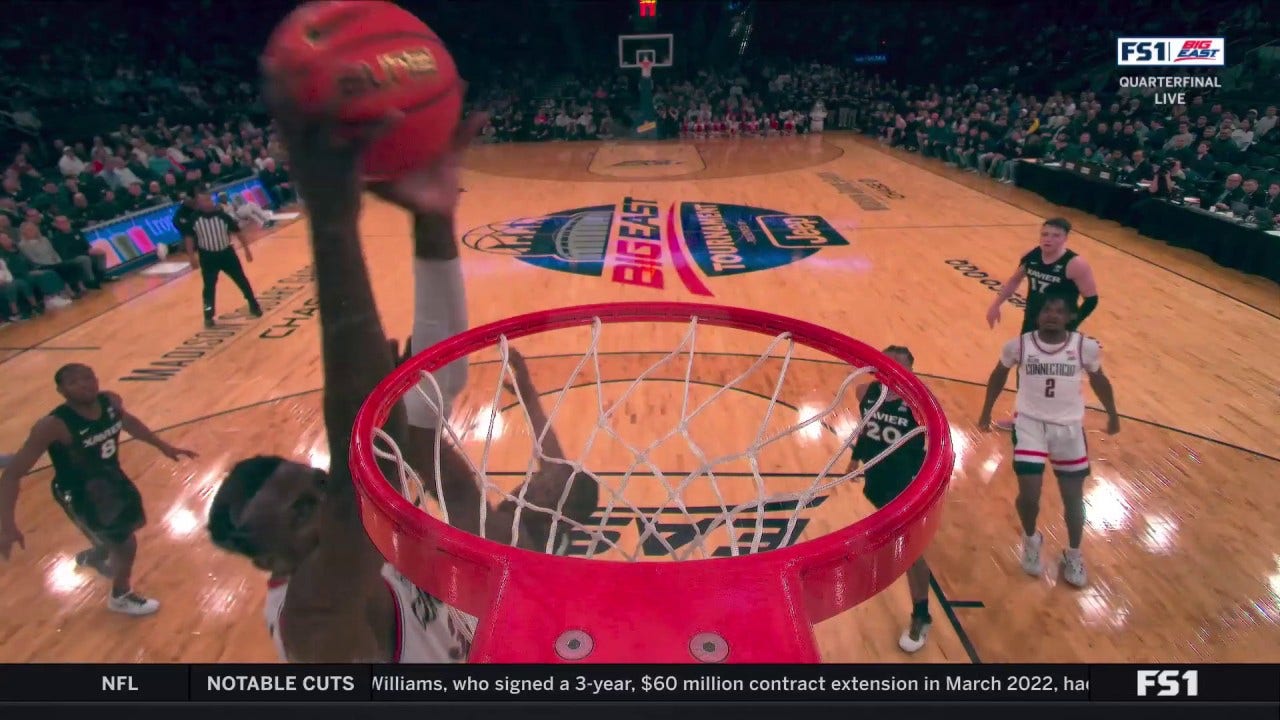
(635, 243)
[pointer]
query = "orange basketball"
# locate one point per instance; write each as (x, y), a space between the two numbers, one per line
(374, 57)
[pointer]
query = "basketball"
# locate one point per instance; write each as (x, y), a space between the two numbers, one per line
(373, 58)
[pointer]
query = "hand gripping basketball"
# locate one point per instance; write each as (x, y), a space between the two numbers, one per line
(324, 153)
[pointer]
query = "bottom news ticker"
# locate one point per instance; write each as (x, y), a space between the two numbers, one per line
(637, 683)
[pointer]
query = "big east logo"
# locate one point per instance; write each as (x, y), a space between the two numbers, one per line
(636, 242)
(1170, 51)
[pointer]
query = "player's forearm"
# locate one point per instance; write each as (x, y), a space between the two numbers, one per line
(9, 489)
(433, 238)
(995, 386)
(139, 430)
(1102, 388)
(353, 344)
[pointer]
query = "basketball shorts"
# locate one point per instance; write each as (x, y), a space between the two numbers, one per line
(107, 508)
(886, 480)
(1036, 443)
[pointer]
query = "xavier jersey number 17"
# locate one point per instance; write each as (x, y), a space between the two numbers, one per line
(1050, 377)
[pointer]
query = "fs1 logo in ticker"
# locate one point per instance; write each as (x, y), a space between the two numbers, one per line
(1159, 51)
(1169, 683)
(641, 243)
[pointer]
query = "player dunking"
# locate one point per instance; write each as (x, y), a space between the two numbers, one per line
(1049, 265)
(82, 437)
(1049, 422)
(886, 479)
(333, 598)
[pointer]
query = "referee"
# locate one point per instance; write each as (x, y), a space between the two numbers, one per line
(208, 232)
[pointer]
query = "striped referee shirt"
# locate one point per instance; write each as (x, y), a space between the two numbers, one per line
(213, 229)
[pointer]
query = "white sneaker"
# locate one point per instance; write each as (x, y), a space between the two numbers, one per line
(1031, 554)
(131, 603)
(1073, 568)
(57, 301)
(910, 645)
(1005, 424)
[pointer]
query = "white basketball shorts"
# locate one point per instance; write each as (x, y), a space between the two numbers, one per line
(1063, 446)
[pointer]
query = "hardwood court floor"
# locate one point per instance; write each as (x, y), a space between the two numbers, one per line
(1183, 549)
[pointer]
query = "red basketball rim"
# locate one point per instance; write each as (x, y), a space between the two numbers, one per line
(534, 607)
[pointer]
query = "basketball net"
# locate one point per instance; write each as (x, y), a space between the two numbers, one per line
(746, 537)
(646, 68)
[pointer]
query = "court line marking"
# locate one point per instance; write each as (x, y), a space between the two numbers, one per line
(122, 303)
(862, 228)
(80, 323)
(42, 348)
(938, 173)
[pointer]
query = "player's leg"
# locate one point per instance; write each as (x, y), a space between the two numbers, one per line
(95, 556)
(1030, 450)
(113, 506)
(1069, 455)
(882, 484)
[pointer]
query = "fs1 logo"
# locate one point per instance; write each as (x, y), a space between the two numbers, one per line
(1169, 683)
(641, 243)
(1170, 51)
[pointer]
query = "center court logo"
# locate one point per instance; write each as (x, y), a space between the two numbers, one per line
(636, 243)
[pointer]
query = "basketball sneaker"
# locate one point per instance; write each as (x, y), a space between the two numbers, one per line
(1005, 424)
(131, 603)
(1031, 553)
(1073, 568)
(913, 638)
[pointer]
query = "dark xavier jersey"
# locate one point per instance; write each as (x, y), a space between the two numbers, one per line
(94, 443)
(885, 427)
(1042, 276)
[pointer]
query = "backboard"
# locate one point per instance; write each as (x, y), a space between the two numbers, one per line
(658, 49)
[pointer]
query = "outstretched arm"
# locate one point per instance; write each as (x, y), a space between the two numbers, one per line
(138, 429)
(44, 434)
(333, 589)
(554, 485)
(1009, 290)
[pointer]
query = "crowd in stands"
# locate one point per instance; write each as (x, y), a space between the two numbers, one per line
(132, 112)
(175, 127)
(1226, 157)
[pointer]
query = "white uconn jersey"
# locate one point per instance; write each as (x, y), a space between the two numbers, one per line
(1051, 377)
(427, 630)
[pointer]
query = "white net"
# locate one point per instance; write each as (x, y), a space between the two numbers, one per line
(743, 519)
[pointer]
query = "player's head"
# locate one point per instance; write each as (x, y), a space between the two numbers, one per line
(1053, 234)
(267, 510)
(1057, 312)
(76, 382)
(901, 355)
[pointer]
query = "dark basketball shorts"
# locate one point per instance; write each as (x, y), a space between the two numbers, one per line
(107, 508)
(886, 481)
